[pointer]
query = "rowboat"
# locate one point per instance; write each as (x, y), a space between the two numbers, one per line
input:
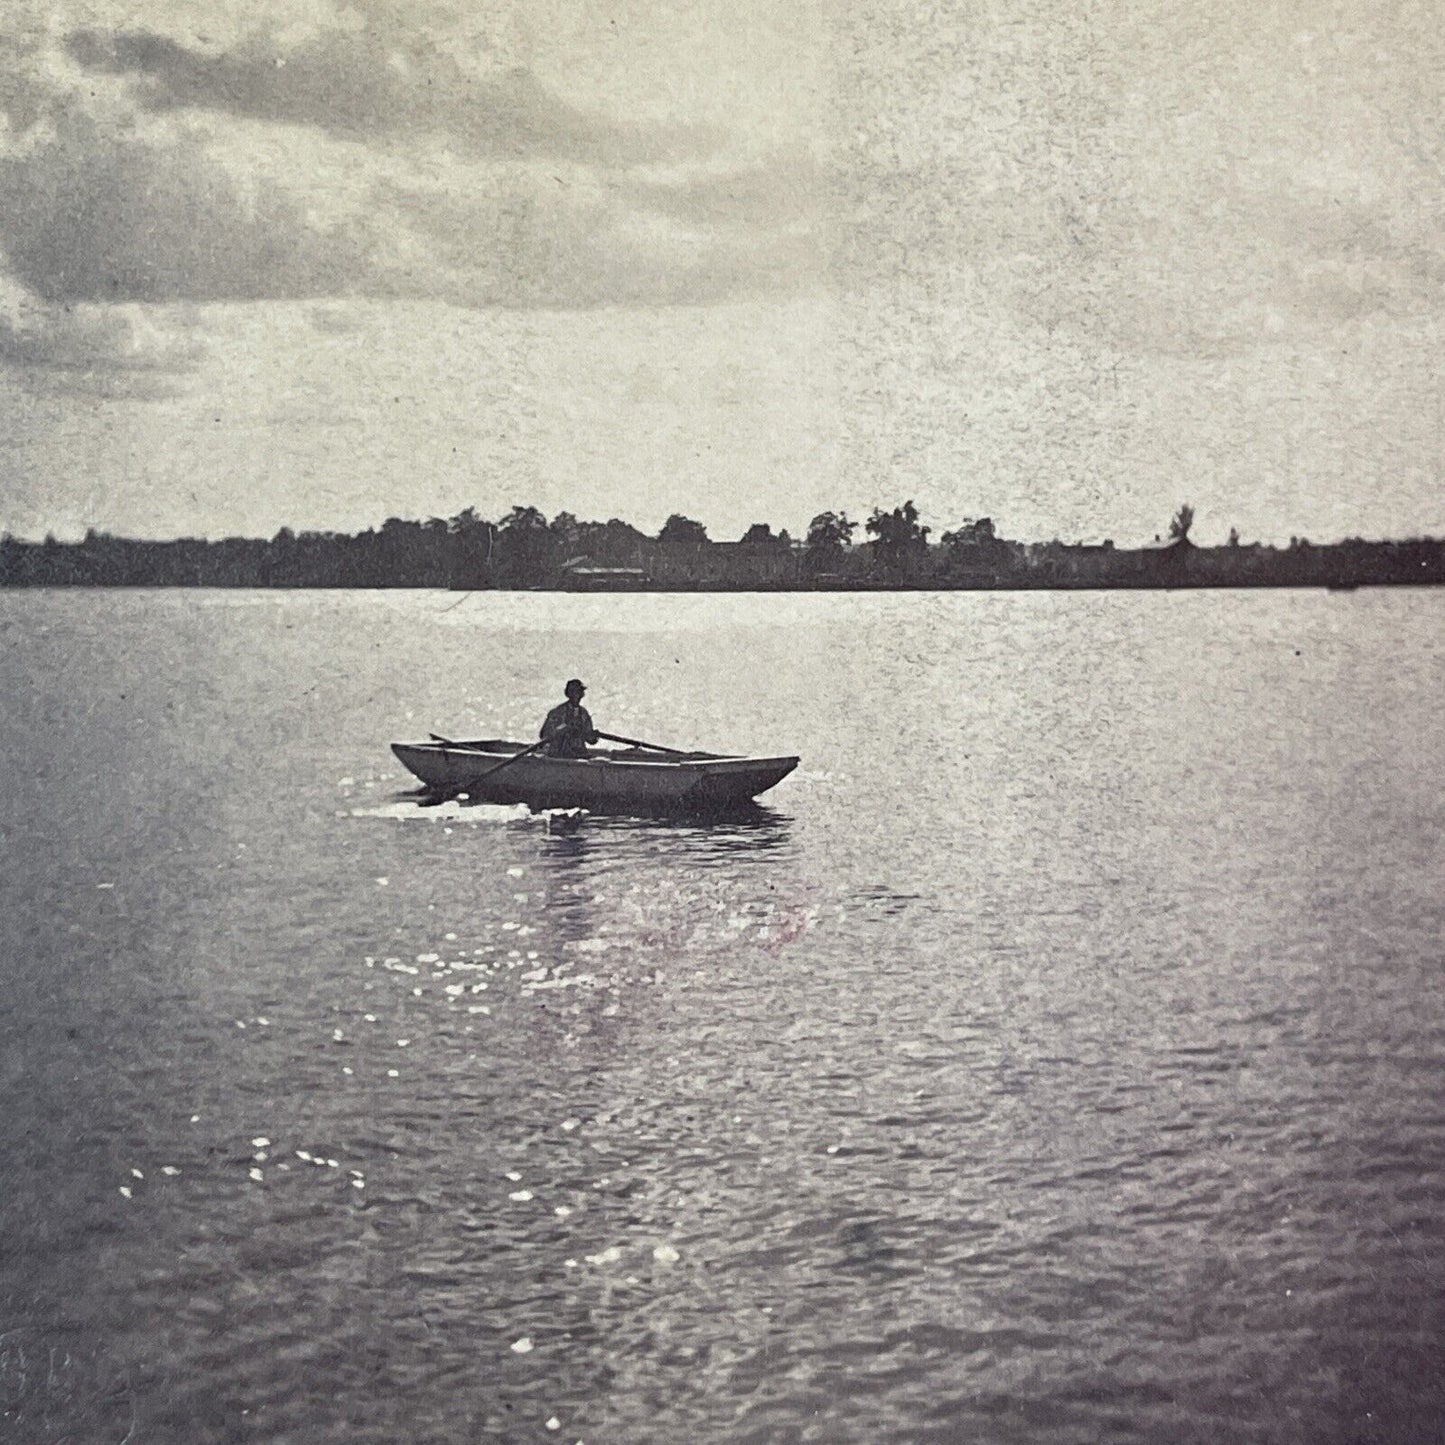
(606, 780)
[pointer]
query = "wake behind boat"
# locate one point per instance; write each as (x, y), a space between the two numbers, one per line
(634, 779)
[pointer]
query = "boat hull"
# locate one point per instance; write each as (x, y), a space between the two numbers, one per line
(618, 782)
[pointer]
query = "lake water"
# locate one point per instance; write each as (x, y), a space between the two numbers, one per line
(1057, 1058)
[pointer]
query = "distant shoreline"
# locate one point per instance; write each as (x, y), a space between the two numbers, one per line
(534, 555)
(744, 589)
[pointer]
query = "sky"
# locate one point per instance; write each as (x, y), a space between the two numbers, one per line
(1068, 265)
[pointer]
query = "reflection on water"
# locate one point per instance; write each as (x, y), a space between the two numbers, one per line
(752, 828)
(1080, 1084)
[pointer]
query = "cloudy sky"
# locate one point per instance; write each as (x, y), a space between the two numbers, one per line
(1066, 264)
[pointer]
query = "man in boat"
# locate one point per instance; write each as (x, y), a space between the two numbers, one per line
(568, 730)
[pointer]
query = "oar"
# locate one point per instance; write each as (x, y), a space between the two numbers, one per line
(472, 782)
(634, 743)
(611, 738)
(457, 747)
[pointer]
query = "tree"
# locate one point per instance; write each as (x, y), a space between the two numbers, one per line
(830, 535)
(762, 536)
(471, 542)
(680, 531)
(1234, 536)
(830, 532)
(526, 547)
(899, 540)
(524, 519)
(567, 530)
(472, 534)
(616, 542)
(971, 533)
(1183, 521)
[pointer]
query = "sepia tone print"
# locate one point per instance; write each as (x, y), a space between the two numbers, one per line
(721, 722)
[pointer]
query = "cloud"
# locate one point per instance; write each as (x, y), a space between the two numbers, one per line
(787, 190)
(337, 166)
(533, 239)
(111, 214)
(25, 93)
(93, 217)
(355, 85)
(1253, 269)
(334, 322)
(111, 351)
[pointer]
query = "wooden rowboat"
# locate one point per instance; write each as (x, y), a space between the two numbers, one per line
(618, 780)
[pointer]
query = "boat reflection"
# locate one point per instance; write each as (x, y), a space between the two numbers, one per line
(744, 828)
(695, 839)
(680, 869)
(737, 820)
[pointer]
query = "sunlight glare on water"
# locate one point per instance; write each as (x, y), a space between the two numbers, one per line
(1055, 1056)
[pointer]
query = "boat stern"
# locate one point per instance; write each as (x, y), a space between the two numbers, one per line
(733, 781)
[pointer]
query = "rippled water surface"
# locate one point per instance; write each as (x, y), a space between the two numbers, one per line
(1057, 1057)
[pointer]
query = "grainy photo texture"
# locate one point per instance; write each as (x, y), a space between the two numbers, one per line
(721, 722)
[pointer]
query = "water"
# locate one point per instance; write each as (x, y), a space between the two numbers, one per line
(1057, 1058)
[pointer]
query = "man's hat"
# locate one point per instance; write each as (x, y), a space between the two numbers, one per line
(574, 684)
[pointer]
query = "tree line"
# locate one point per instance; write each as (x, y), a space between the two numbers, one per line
(892, 547)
